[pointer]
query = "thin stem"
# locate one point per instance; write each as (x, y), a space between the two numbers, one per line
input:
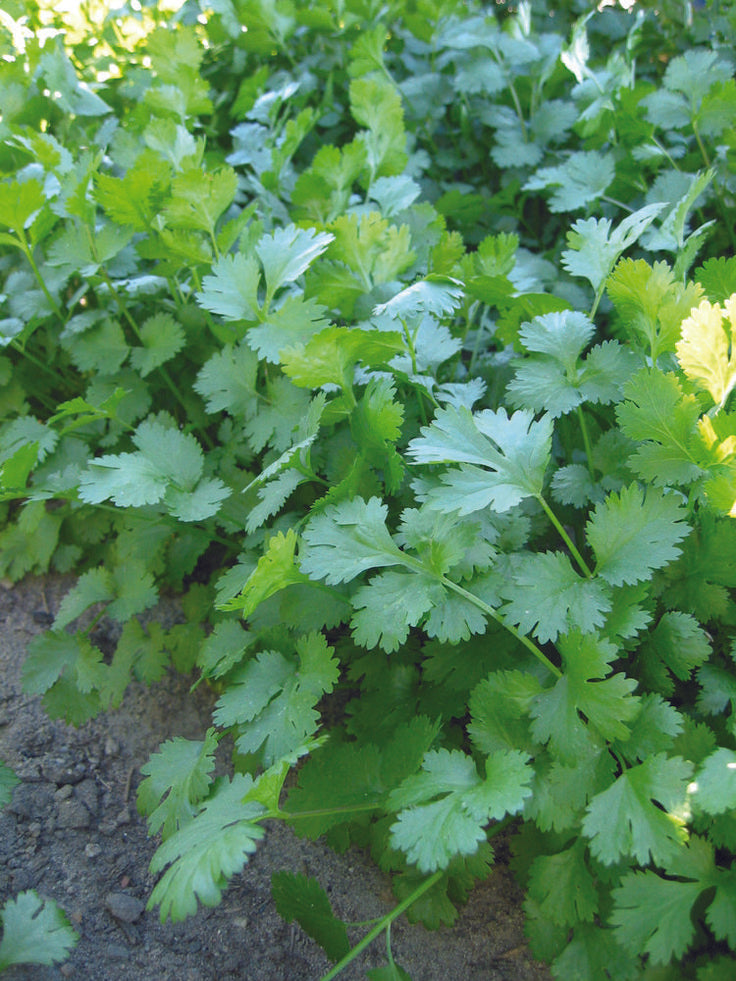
(36, 362)
(586, 441)
(597, 299)
(326, 811)
(495, 615)
(727, 224)
(382, 925)
(37, 273)
(565, 537)
(619, 204)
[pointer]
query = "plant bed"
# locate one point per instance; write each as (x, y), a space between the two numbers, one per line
(396, 343)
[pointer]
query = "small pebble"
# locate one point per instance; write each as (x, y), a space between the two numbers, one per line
(92, 850)
(123, 907)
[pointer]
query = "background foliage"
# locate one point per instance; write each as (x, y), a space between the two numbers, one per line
(397, 340)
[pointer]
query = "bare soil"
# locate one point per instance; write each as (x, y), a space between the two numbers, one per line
(72, 832)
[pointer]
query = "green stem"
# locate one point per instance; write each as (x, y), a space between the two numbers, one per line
(326, 811)
(727, 223)
(619, 204)
(586, 441)
(383, 924)
(597, 299)
(37, 273)
(495, 615)
(565, 537)
(37, 363)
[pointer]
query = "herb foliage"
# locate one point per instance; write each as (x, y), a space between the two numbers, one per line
(398, 341)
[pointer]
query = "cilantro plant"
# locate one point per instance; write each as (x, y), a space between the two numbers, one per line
(398, 343)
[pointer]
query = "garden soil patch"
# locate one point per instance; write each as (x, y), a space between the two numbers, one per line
(72, 832)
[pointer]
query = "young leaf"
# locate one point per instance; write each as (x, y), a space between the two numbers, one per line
(594, 248)
(275, 571)
(300, 898)
(706, 351)
(206, 851)
(277, 696)
(177, 778)
(35, 931)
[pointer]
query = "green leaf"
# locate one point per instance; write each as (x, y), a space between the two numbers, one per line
(499, 709)
(438, 295)
(545, 595)
(513, 452)
(19, 201)
(288, 252)
(162, 338)
(594, 248)
(8, 781)
(680, 642)
(389, 605)
(166, 469)
(206, 851)
(638, 816)
(231, 291)
(581, 692)
(227, 381)
(391, 972)
(376, 104)
(224, 649)
(276, 697)
(633, 534)
(70, 94)
(348, 539)
(444, 809)
(275, 571)
(583, 177)
(718, 278)
(653, 915)
(35, 931)
(292, 325)
(177, 778)
(714, 787)
(300, 898)
(329, 357)
(658, 414)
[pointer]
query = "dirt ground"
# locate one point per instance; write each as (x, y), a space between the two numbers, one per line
(72, 832)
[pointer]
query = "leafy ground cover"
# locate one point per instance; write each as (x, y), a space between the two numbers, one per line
(397, 341)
